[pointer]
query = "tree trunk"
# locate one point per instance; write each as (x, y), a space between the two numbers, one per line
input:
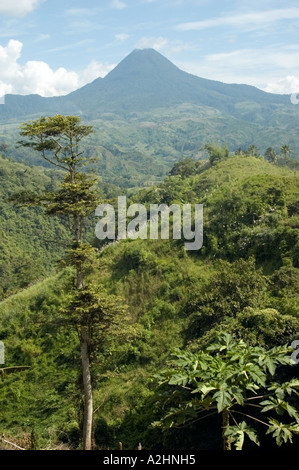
(86, 376)
(225, 424)
(85, 361)
(88, 401)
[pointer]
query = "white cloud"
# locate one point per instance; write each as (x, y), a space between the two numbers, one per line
(122, 36)
(94, 70)
(79, 12)
(258, 59)
(152, 42)
(42, 37)
(69, 46)
(118, 4)
(246, 21)
(162, 44)
(38, 77)
(284, 86)
(252, 66)
(9, 56)
(18, 7)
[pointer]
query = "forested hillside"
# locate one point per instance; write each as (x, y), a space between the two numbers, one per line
(243, 281)
(30, 243)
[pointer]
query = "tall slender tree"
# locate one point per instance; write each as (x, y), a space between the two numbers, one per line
(58, 139)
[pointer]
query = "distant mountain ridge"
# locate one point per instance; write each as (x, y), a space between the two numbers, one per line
(148, 114)
(146, 80)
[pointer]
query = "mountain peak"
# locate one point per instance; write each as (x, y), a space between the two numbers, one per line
(145, 80)
(141, 63)
(146, 52)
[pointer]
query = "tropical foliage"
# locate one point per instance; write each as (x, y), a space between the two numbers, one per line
(142, 299)
(235, 380)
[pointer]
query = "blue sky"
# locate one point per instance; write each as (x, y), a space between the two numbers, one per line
(52, 47)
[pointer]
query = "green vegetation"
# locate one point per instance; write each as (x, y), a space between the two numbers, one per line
(140, 148)
(30, 244)
(148, 298)
(228, 378)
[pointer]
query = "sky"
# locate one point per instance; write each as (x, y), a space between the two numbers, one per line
(52, 47)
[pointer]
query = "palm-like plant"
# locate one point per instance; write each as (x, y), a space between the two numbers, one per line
(231, 378)
(285, 151)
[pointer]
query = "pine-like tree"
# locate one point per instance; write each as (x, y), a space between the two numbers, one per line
(58, 139)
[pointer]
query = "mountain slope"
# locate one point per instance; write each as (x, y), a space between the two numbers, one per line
(145, 80)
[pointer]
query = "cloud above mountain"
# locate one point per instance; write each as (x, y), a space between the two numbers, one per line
(37, 77)
(18, 7)
(249, 21)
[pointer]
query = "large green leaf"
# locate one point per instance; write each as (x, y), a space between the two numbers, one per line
(286, 388)
(280, 406)
(223, 398)
(204, 389)
(238, 432)
(282, 432)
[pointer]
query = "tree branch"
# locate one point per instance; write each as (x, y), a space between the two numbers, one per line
(252, 417)
(53, 163)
